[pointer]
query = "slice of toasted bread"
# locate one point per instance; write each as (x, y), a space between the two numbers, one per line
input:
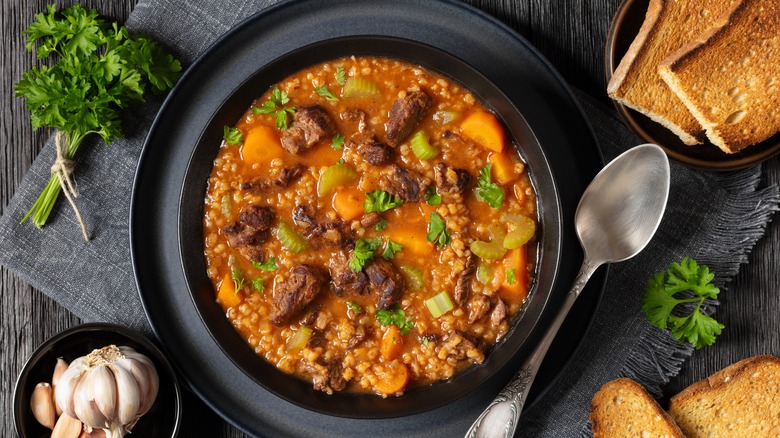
(740, 400)
(730, 78)
(622, 408)
(668, 26)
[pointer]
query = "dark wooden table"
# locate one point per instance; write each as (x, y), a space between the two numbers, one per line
(570, 33)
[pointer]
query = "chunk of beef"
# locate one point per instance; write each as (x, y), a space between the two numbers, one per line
(354, 115)
(499, 313)
(463, 284)
(478, 308)
(345, 281)
(322, 234)
(303, 217)
(286, 177)
(405, 114)
(370, 219)
(310, 125)
(326, 375)
(293, 294)
(384, 282)
(311, 315)
(449, 180)
(250, 231)
(405, 184)
(371, 149)
(317, 339)
(359, 336)
(459, 346)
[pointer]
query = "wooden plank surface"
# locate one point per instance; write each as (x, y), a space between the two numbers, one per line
(570, 33)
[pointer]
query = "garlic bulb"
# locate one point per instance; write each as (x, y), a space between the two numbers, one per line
(109, 389)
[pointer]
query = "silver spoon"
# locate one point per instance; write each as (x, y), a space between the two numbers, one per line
(617, 216)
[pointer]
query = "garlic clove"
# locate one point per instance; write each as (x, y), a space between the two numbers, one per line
(103, 388)
(42, 405)
(66, 427)
(146, 375)
(129, 393)
(59, 370)
(96, 433)
(66, 387)
(85, 407)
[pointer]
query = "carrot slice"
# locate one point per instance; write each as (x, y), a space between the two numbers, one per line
(413, 239)
(484, 128)
(348, 203)
(503, 168)
(227, 295)
(392, 344)
(393, 377)
(261, 145)
(515, 259)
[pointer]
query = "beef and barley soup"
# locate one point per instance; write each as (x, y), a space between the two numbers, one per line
(367, 224)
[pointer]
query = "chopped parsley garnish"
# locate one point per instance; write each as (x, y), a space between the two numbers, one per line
(432, 197)
(237, 275)
(324, 92)
(437, 230)
(364, 251)
(341, 76)
(338, 142)
(690, 283)
(267, 266)
(391, 248)
(511, 278)
(381, 225)
(487, 190)
(397, 317)
(354, 307)
(275, 107)
(232, 136)
(258, 284)
(380, 201)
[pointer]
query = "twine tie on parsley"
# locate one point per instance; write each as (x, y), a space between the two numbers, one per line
(63, 168)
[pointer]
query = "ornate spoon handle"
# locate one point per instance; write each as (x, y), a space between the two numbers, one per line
(500, 418)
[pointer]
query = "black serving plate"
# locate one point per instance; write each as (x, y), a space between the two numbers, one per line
(176, 161)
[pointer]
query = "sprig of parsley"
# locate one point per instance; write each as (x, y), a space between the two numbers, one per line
(487, 190)
(338, 142)
(511, 278)
(432, 197)
(354, 307)
(664, 294)
(381, 225)
(100, 69)
(325, 92)
(437, 230)
(275, 106)
(267, 266)
(364, 251)
(391, 248)
(237, 275)
(341, 76)
(232, 136)
(396, 316)
(258, 284)
(380, 201)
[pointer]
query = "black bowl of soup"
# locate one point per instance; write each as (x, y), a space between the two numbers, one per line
(372, 228)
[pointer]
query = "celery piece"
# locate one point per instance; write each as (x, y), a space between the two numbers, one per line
(359, 87)
(299, 339)
(523, 230)
(421, 147)
(439, 304)
(484, 272)
(490, 250)
(290, 238)
(334, 176)
(413, 277)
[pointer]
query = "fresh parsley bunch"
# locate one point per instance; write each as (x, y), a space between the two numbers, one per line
(664, 294)
(99, 70)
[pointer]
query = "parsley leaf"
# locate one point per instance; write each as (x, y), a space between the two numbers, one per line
(437, 230)
(275, 106)
(324, 92)
(397, 317)
(354, 307)
(258, 284)
(687, 283)
(487, 190)
(364, 251)
(380, 201)
(267, 266)
(381, 225)
(391, 248)
(338, 142)
(100, 69)
(341, 76)
(237, 275)
(511, 278)
(232, 136)
(432, 197)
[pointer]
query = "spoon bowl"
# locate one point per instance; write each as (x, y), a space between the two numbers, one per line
(616, 218)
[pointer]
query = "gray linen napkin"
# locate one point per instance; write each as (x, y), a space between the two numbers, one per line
(94, 280)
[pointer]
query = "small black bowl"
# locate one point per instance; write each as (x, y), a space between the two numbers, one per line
(162, 420)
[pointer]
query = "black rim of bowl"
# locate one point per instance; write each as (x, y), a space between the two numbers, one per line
(624, 26)
(104, 334)
(506, 352)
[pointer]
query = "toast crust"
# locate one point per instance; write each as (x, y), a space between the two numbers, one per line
(729, 78)
(742, 399)
(623, 408)
(668, 26)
